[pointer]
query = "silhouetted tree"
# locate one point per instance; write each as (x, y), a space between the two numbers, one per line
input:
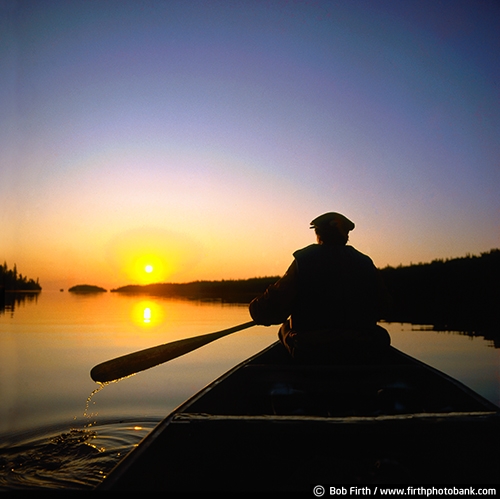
(11, 281)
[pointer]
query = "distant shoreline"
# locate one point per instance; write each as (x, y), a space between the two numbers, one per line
(460, 293)
(233, 291)
(455, 294)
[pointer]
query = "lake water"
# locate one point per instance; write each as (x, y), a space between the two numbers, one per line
(59, 429)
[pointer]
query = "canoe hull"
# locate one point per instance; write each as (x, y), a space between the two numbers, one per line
(269, 425)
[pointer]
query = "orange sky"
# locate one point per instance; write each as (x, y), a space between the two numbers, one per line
(202, 138)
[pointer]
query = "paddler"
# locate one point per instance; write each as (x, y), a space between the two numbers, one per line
(329, 300)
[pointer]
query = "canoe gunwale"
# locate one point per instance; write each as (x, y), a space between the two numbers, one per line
(438, 416)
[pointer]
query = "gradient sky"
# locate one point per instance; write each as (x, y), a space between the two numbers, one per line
(202, 137)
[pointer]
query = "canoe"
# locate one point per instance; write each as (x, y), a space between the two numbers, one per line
(270, 424)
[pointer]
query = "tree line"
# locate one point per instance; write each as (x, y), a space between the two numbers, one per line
(462, 293)
(11, 280)
(232, 290)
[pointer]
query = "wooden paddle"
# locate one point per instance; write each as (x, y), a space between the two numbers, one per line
(132, 363)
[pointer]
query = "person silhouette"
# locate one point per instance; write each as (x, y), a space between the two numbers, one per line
(329, 300)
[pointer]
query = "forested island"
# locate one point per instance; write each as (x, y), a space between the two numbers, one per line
(11, 280)
(87, 288)
(459, 293)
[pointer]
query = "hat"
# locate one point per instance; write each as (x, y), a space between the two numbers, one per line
(334, 220)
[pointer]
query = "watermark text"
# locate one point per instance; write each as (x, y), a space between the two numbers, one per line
(410, 491)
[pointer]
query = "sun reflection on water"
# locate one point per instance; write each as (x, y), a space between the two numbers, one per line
(147, 313)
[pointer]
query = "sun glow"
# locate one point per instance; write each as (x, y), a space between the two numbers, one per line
(147, 256)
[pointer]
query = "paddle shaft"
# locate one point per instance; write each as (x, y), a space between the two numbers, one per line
(132, 363)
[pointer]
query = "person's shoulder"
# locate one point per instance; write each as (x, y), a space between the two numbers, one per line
(312, 249)
(357, 254)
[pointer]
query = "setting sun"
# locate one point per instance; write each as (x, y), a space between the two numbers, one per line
(149, 268)
(149, 255)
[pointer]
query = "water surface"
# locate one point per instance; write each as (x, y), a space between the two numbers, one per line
(59, 429)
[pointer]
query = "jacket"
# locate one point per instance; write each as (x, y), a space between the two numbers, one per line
(326, 287)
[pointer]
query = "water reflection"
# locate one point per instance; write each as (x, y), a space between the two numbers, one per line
(10, 300)
(147, 313)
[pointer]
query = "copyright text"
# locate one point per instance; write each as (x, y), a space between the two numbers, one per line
(378, 491)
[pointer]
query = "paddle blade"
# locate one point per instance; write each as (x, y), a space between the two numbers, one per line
(132, 363)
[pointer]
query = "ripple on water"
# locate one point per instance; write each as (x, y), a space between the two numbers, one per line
(74, 459)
